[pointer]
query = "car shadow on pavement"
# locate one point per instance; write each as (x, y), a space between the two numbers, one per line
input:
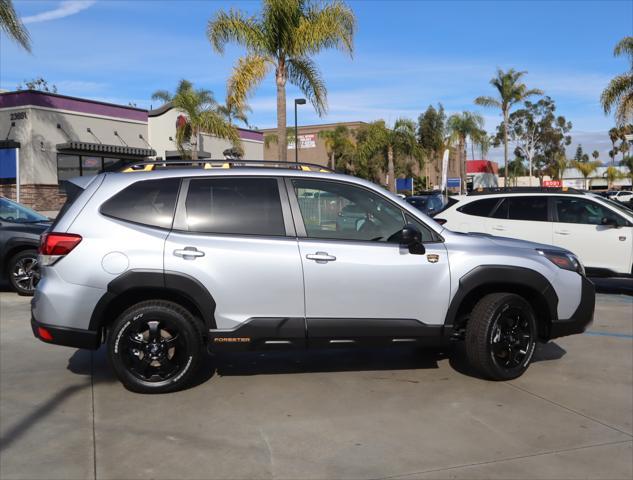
(326, 360)
(83, 362)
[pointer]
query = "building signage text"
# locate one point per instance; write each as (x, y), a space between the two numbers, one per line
(18, 116)
(305, 141)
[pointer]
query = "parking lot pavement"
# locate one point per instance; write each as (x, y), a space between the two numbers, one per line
(323, 414)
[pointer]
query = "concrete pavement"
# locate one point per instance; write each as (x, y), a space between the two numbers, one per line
(371, 413)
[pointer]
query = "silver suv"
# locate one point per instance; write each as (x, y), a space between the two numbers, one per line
(160, 264)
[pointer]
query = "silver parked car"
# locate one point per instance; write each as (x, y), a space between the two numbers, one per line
(161, 264)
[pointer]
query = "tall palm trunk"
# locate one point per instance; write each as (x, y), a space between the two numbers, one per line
(391, 173)
(282, 139)
(505, 143)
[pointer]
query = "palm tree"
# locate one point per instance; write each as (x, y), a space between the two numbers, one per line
(200, 116)
(232, 111)
(586, 169)
(388, 143)
(619, 93)
(628, 163)
(614, 135)
(558, 167)
(13, 26)
(283, 38)
(461, 126)
(511, 91)
(337, 143)
(612, 174)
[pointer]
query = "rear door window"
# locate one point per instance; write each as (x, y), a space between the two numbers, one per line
(149, 202)
(240, 206)
(527, 208)
(585, 212)
(479, 208)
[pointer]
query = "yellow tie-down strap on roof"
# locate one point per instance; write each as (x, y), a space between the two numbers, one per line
(209, 166)
(144, 168)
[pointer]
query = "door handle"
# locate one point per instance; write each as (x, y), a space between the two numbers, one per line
(188, 253)
(562, 232)
(321, 257)
(499, 228)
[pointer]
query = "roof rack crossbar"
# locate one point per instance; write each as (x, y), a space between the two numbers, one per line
(201, 162)
(494, 190)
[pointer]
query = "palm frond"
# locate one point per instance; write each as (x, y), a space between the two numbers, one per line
(617, 88)
(624, 47)
(162, 95)
(247, 74)
(487, 102)
(325, 26)
(235, 26)
(11, 24)
(624, 112)
(213, 124)
(303, 73)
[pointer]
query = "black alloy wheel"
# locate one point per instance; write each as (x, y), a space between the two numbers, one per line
(501, 336)
(24, 273)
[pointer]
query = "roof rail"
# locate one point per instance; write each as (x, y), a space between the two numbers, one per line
(208, 164)
(497, 190)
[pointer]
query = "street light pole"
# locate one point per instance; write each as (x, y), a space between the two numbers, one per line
(298, 101)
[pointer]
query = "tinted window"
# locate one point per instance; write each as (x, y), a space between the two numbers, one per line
(337, 211)
(579, 210)
(527, 208)
(150, 202)
(479, 208)
(248, 206)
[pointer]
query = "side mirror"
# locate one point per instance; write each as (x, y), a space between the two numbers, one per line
(609, 222)
(412, 238)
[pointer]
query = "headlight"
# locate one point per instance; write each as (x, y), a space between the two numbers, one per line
(564, 260)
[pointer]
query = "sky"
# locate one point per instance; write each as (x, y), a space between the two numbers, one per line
(407, 55)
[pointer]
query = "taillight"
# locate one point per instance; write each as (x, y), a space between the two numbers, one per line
(441, 221)
(54, 246)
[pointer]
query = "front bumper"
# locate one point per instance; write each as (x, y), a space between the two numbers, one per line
(581, 318)
(69, 337)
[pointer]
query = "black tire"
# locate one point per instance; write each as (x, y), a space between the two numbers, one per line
(501, 336)
(23, 272)
(155, 346)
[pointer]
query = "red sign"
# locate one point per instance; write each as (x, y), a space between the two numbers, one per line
(552, 183)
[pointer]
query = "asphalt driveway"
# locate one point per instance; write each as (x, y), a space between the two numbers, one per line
(323, 414)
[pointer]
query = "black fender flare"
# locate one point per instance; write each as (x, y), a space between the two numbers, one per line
(169, 282)
(511, 277)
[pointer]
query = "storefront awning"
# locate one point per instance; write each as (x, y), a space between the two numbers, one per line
(105, 149)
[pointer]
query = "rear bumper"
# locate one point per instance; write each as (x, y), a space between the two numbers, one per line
(68, 337)
(581, 318)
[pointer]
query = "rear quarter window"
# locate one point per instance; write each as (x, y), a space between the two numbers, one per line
(148, 202)
(479, 208)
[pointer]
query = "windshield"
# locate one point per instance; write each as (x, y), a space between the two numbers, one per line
(618, 206)
(14, 212)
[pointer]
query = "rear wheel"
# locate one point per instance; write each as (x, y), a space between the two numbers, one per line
(155, 347)
(501, 336)
(24, 272)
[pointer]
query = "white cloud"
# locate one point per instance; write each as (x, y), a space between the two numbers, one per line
(65, 9)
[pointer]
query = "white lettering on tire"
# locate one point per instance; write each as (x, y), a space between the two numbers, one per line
(118, 337)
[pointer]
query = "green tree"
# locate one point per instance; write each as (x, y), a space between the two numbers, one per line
(11, 24)
(283, 38)
(612, 174)
(461, 126)
(595, 154)
(39, 84)
(339, 146)
(200, 116)
(431, 135)
(613, 136)
(376, 140)
(628, 163)
(510, 91)
(558, 166)
(580, 155)
(586, 168)
(618, 95)
(233, 111)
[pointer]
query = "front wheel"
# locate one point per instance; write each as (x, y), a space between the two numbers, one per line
(501, 336)
(24, 272)
(155, 347)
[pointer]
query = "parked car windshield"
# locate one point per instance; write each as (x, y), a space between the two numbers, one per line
(617, 205)
(14, 212)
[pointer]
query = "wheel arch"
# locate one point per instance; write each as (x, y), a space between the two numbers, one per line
(485, 279)
(135, 286)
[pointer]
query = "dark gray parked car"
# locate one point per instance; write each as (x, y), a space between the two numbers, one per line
(20, 229)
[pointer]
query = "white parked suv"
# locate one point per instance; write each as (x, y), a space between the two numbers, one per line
(622, 196)
(599, 231)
